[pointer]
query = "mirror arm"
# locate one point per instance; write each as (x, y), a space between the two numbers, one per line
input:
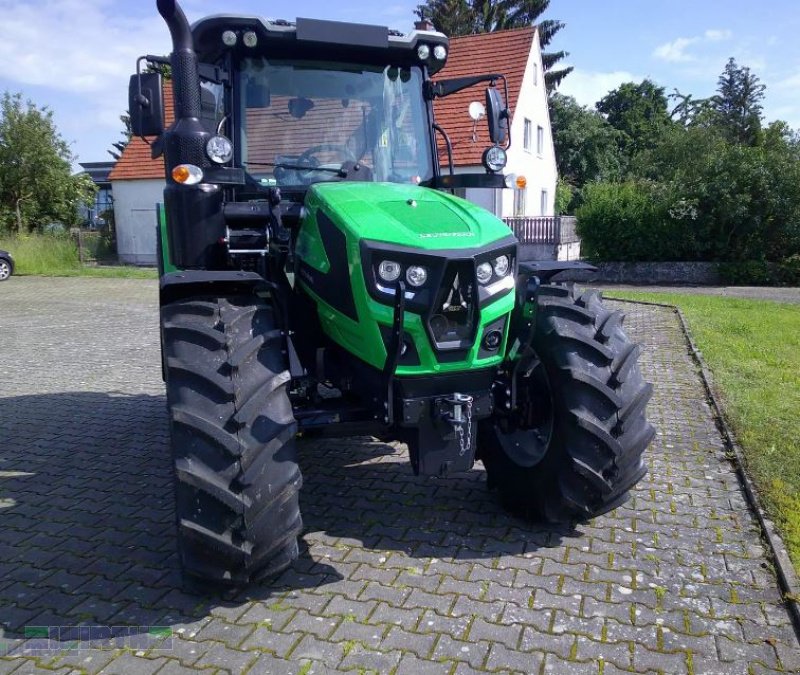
(446, 87)
(507, 112)
(447, 143)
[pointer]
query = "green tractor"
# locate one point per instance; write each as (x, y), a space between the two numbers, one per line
(318, 276)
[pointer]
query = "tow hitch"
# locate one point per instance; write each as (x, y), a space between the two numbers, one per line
(443, 431)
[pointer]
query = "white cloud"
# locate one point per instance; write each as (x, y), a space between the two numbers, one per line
(589, 87)
(791, 82)
(79, 46)
(677, 50)
(717, 35)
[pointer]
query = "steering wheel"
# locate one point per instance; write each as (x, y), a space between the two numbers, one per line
(308, 157)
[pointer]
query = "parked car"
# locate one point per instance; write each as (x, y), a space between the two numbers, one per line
(6, 265)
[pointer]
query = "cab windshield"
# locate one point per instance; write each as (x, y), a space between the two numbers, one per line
(306, 122)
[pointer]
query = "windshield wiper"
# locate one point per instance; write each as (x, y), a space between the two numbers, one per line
(301, 167)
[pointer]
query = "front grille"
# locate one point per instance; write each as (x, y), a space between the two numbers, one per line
(453, 319)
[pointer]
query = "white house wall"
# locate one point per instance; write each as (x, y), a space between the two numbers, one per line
(539, 169)
(135, 215)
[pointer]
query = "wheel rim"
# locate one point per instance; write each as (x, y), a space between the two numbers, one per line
(527, 432)
(5, 270)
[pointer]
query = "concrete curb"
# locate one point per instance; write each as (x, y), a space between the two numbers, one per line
(787, 578)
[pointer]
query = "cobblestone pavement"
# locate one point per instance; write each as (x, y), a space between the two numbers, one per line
(397, 574)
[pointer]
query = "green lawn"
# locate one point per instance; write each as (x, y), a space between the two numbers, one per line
(57, 256)
(753, 349)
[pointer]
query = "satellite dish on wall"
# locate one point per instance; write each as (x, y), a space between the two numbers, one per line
(477, 110)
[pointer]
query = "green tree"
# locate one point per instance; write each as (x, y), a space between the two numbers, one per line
(743, 202)
(467, 17)
(737, 104)
(688, 110)
(639, 112)
(118, 147)
(36, 183)
(586, 145)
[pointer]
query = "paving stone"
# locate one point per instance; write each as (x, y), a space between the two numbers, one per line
(369, 635)
(502, 658)
(618, 653)
(534, 640)
(371, 660)
(472, 653)
(495, 632)
(266, 639)
(556, 665)
(386, 614)
(406, 641)
(412, 665)
(342, 607)
(227, 633)
(644, 659)
(221, 656)
(128, 664)
(319, 650)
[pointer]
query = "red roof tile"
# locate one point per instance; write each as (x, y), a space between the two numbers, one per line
(136, 162)
(503, 52)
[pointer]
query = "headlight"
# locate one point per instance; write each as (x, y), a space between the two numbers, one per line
(423, 52)
(219, 149)
(439, 52)
(229, 38)
(484, 273)
(389, 270)
(494, 158)
(416, 275)
(250, 39)
(501, 265)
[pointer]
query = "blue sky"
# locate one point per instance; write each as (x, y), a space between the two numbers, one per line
(75, 55)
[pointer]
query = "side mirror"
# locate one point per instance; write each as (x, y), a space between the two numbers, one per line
(146, 104)
(496, 116)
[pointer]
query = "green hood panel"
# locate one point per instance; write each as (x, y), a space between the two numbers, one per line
(408, 215)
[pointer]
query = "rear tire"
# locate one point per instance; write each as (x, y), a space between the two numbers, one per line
(233, 440)
(573, 448)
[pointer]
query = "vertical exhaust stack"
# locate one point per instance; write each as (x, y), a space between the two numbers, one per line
(185, 141)
(195, 223)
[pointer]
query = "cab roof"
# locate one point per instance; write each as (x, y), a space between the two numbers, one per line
(314, 39)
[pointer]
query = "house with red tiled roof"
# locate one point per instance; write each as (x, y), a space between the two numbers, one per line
(517, 55)
(138, 185)
(138, 180)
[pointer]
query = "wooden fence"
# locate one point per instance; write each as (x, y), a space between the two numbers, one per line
(544, 230)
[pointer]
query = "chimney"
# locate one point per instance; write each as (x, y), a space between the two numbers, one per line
(424, 24)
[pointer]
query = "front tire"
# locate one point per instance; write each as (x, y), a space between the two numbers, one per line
(572, 448)
(233, 439)
(5, 269)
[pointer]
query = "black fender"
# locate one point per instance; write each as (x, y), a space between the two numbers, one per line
(547, 269)
(187, 283)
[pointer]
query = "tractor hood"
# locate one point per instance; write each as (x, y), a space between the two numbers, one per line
(407, 215)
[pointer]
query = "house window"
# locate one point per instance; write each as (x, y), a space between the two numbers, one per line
(539, 141)
(519, 202)
(545, 203)
(527, 135)
(535, 74)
